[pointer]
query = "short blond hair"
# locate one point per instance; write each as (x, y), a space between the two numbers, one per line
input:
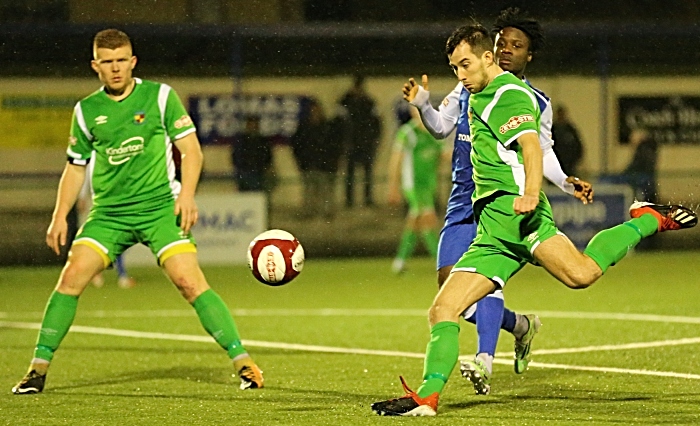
(110, 39)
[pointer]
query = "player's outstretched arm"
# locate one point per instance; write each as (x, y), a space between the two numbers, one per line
(570, 184)
(439, 123)
(191, 168)
(532, 161)
(68, 190)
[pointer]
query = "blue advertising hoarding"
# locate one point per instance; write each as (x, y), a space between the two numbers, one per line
(221, 118)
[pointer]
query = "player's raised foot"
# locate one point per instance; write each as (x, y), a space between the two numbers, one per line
(524, 344)
(670, 216)
(249, 373)
(398, 266)
(33, 382)
(477, 373)
(98, 280)
(126, 282)
(409, 405)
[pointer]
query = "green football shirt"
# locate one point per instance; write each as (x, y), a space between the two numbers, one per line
(130, 143)
(498, 115)
(421, 156)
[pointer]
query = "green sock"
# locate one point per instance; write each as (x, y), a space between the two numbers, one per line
(431, 239)
(408, 242)
(440, 357)
(217, 320)
(58, 317)
(610, 245)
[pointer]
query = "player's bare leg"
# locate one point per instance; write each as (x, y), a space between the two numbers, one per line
(184, 271)
(83, 263)
(561, 258)
(462, 289)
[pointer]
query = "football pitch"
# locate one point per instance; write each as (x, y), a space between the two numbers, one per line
(625, 351)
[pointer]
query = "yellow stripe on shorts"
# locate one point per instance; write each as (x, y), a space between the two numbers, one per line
(185, 247)
(101, 250)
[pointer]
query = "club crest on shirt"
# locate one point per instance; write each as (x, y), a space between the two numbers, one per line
(139, 117)
(446, 101)
(515, 122)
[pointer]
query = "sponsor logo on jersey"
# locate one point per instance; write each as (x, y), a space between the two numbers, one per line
(532, 237)
(515, 122)
(139, 117)
(101, 119)
(127, 149)
(184, 121)
(463, 137)
(72, 140)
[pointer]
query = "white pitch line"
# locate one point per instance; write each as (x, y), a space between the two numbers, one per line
(359, 313)
(351, 351)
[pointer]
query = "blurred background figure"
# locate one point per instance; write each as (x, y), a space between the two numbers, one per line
(567, 143)
(413, 170)
(640, 173)
(317, 154)
(362, 138)
(82, 207)
(252, 158)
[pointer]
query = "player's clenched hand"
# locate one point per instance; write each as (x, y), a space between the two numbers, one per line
(56, 234)
(582, 189)
(525, 204)
(410, 89)
(186, 207)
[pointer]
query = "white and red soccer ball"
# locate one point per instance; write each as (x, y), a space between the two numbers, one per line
(275, 257)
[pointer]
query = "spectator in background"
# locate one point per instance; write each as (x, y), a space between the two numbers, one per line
(317, 155)
(640, 173)
(252, 157)
(567, 143)
(361, 138)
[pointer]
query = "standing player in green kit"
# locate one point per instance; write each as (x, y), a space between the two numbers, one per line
(127, 128)
(516, 225)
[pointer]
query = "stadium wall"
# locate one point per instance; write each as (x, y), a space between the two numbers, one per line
(35, 138)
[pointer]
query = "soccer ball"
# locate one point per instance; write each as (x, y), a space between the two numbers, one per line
(275, 257)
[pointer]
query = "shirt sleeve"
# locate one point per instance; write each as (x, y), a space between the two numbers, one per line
(177, 121)
(546, 141)
(79, 149)
(512, 113)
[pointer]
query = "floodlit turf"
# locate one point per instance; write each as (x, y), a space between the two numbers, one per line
(354, 305)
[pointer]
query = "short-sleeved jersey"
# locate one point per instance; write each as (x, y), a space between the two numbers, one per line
(506, 109)
(421, 156)
(130, 143)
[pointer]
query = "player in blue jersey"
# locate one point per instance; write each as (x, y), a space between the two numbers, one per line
(518, 38)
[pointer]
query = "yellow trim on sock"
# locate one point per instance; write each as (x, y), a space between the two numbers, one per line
(105, 259)
(177, 249)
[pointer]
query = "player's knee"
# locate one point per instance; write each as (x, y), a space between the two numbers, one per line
(581, 278)
(438, 313)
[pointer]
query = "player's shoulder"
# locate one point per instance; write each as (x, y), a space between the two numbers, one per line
(542, 97)
(508, 86)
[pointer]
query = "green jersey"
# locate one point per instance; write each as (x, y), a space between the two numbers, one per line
(498, 115)
(421, 156)
(130, 144)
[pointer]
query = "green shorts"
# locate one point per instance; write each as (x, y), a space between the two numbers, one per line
(110, 235)
(505, 241)
(420, 200)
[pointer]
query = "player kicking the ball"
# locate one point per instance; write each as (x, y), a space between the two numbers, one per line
(515, 219)
(520, 36)
(127, 129)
